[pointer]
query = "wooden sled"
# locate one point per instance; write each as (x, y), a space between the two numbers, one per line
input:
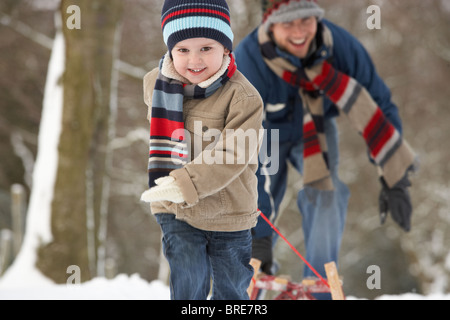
(288, 290)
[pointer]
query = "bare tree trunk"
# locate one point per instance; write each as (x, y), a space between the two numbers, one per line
(83, 146)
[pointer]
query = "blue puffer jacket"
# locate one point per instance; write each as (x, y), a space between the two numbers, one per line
(282, 102)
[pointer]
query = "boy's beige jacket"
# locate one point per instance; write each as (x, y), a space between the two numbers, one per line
(219, 184)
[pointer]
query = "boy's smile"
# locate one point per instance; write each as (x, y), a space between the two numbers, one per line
(198, 59)
(196, 72)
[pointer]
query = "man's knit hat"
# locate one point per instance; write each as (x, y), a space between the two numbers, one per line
(275, 11)
(185, 19)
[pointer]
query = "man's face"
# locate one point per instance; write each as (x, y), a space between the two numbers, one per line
(296, 36)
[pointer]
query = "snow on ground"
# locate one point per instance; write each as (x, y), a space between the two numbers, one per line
(124, 287)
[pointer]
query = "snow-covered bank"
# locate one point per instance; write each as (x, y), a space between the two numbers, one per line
(122, 287)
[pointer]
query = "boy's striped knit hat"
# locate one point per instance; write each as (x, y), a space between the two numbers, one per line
(185, 19)
(275, 11)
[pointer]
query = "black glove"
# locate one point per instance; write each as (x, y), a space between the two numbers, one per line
(262, 250)
(397, 201)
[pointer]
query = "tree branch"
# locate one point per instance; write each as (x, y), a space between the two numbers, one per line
(26, 31)
(47, 42)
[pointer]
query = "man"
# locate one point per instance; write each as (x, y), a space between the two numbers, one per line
(308, 71)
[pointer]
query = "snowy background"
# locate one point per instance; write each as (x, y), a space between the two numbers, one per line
(411, 52)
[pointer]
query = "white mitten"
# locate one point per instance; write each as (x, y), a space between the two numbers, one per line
(166, 189)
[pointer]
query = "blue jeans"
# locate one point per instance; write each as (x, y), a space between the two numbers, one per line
(324, 212)
(196, 256)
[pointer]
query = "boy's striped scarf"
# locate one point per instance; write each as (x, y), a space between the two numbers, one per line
(388, 150)
(168, 146)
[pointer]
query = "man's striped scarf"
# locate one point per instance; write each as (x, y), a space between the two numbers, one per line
(387, 148)
(168, 146)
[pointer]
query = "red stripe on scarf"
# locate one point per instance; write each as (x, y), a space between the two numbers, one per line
(339, 87)
(288, 77)
(339, 84)
(310, 147)
(168, 153)
(294, 80)
(373, 129)
(164, 128)
(232, 67)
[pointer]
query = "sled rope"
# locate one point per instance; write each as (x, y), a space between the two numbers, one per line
(294, 249)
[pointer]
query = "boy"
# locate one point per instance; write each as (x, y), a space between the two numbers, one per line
(204, 197)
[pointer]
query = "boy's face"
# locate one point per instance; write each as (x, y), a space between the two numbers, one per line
(296, 36)
(198, 59)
